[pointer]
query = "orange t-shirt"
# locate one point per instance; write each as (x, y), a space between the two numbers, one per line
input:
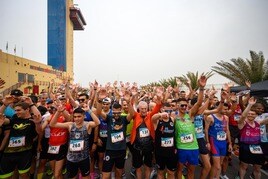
(137, 121)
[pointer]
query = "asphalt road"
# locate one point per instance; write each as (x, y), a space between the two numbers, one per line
(231, 171)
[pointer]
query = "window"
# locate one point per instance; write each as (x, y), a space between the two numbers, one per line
(30, 78)
(22, 77)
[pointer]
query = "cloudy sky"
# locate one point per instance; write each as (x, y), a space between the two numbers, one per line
(143, 40)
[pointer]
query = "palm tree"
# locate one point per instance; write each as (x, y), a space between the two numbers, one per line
(193, 77)
(240, 70)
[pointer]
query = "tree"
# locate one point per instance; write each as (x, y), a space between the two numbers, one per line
(240, 70)
(193, 78)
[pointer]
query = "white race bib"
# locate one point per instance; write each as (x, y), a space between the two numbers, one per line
(53, 149)
(221, 135)
(187, 138)
(103, 133)
(144, 132)
(76, 145)
(117, 137)
(16, 141)
(167, 142)
(255, 149)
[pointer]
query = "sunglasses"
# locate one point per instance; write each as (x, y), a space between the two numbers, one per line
(116, 113)
(183, 105)
(62, 99)
(81, 100)
(168, 111)
(173, 105)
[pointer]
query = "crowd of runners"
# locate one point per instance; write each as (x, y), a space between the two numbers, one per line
(165, 130)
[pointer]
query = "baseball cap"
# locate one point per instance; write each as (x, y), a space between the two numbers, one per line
(106, 100)
(16, 92)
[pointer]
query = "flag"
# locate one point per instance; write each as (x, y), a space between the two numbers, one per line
(15, 49)
(7, 46)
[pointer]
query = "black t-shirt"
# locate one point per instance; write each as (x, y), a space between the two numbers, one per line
(116, 133)
(22, 133)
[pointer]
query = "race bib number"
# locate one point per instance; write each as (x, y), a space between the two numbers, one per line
(187, 138)
(255, 149)
(76, 145)
(237, 117)
(144, 132)
(53, 149)
(221, 135)
(16, 141)
(103, 133)
(117, 137)
(167, 142)
(199, 129)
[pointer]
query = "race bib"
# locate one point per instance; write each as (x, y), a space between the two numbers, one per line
(199, 129)
(53, 149)
(187, 138)
(117, 137)
(76, 145)
(255, 149)
(221, 135)
(103, 133)
(167, 142)
(16, 141)
(144, 132)
(237, 117)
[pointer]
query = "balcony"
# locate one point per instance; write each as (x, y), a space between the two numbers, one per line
(77, 18)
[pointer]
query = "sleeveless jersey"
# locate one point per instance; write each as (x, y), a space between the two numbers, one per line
(78, 145)
(164, 138)
(185, 134)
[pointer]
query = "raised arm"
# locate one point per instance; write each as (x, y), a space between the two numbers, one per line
(54, 123)
(241, 121)
(202, 83)
(95, 122)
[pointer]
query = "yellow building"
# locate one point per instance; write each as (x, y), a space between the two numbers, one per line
(27, 75)
(33, 77)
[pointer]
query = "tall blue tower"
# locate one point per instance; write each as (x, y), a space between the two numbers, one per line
(63, 19)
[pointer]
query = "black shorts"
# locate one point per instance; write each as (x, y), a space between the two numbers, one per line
(247, 157)
(113, 157)
(34, 148)
(169, 162)
(10, 161)
(61, 155)
(83, 166)
(202, 144)
(44, 145)
(139, 158)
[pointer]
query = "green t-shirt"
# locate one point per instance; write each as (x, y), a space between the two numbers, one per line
(129, 126)
(185, 134)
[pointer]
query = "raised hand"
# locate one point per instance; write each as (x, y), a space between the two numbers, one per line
(102, 93)
(202, 81)
(8, 100)
(134, 90)
(252, 100)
